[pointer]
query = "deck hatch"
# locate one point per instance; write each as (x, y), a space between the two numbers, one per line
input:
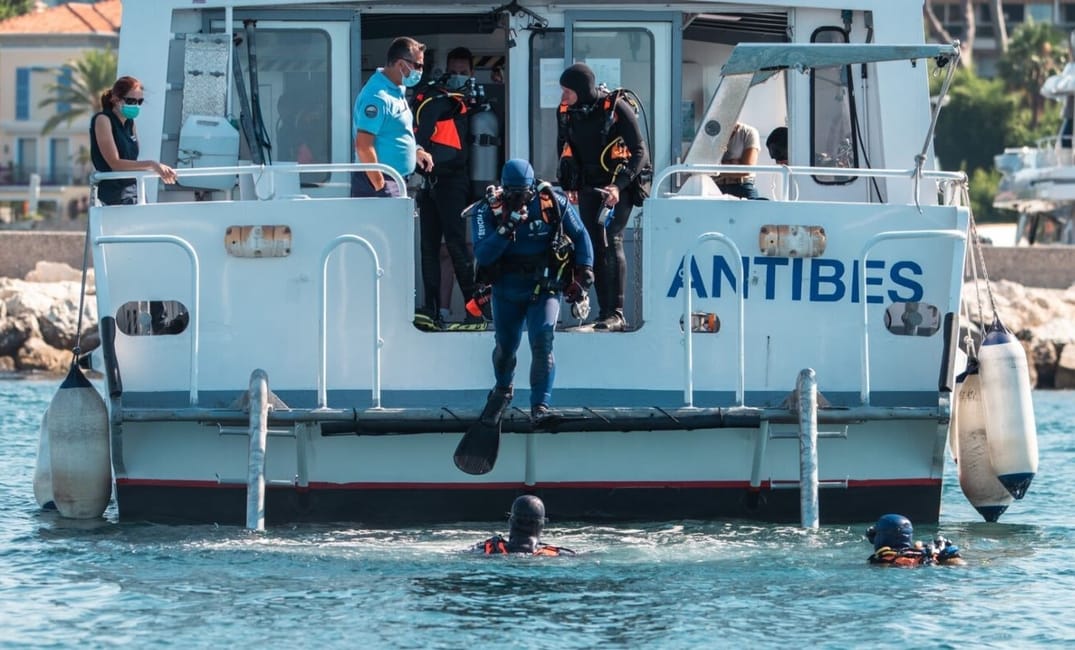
(785, 240)
(258, 241)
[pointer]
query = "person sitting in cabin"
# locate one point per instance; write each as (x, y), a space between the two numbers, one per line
(114, 143)
(743, 147)
(525, 523)
(894, 545)
(777, 144)
(531, 246)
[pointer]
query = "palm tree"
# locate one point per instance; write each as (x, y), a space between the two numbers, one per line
(12, 8)
(1035, 51)
(91, 76)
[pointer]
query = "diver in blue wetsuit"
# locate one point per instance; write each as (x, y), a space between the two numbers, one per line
(531, 246)
(894, 545)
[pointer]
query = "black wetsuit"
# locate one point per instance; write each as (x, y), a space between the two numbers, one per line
(598, 165)
(442, 124)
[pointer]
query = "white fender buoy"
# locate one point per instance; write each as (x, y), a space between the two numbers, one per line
(77, 426)
(967, 434)
(43, 468)
(953, 436)
(1009, 409)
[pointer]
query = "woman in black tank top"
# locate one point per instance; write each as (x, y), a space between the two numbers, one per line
(114, 143)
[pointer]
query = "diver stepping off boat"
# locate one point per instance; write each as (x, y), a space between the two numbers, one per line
(531, 247)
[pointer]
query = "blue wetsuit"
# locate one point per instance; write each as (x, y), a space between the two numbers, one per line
(523, 262)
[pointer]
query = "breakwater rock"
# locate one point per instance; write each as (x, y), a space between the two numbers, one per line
(39, 319)
(1043, 319)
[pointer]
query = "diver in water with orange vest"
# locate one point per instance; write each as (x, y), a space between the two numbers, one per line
(442, 113)
(525, 523)
(894, 545)
(602, 153)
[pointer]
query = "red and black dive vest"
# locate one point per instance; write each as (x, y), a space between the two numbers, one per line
(918, 555)
(442, 127)
(499, 546)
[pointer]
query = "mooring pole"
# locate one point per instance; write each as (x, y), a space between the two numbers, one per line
(806, 388)
(259, 433)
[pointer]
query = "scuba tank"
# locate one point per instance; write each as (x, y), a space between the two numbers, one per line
(484, 145)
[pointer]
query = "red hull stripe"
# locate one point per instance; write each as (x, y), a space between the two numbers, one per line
(593, 485)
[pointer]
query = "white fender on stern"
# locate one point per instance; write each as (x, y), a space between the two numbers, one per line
(967, 433)
(1009, 409)
(78, 443)
(43, 468)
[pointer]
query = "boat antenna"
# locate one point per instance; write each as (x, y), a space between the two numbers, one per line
(246, 123)
(262, 135)
(949, 60)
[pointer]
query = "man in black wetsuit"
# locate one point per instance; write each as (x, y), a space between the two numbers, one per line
(524, 532)
(442, 127)
(601, 154)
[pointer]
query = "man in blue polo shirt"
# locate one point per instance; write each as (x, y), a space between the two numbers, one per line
(383, 123)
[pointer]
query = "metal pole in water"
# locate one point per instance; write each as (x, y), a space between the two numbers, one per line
(259, 433)
(806, 387)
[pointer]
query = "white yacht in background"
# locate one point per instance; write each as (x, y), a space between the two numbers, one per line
(853, 268)
(1039, 182)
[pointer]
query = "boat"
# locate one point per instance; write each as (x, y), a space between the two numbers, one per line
(258, 348)
(1039, 182)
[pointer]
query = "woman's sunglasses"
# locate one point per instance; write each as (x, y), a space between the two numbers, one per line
(131, 101)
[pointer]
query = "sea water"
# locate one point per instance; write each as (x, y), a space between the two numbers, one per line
(679, 584)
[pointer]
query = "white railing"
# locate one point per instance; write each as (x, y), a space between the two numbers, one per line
(787, 173)
(104, 295)
(322, 331)
(870, 243)
(255, 171)
(688, 329)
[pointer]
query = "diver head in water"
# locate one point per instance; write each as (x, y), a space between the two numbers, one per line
(525, 523)
(893, 531)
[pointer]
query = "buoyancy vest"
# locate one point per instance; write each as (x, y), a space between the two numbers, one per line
(548, 268)
(449, 139)
(499, 546)
(941, 551)
(614, 156)
(906, 557)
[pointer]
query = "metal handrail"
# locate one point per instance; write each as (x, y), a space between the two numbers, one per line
(688, 329)
(870, 243)
(322, 333)
(258, 394)
(788, 172)
(195, 313)
(292, 168)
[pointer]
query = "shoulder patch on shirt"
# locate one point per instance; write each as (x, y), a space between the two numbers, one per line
(370, 111)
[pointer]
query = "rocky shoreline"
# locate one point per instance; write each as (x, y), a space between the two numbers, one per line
(39, 322)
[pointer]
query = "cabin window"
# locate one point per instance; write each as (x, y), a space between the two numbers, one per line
(293, 79)
(912, 319)
(152, 317)
(833, 141)
(546, 64)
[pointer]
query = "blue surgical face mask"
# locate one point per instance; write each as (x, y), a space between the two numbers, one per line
(130, 112)
(456, 81)
(412, 78)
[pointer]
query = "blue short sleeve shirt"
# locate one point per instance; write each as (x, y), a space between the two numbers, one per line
(382, 109)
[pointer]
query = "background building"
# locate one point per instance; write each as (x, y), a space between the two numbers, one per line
(986, 43)
(35, 52)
